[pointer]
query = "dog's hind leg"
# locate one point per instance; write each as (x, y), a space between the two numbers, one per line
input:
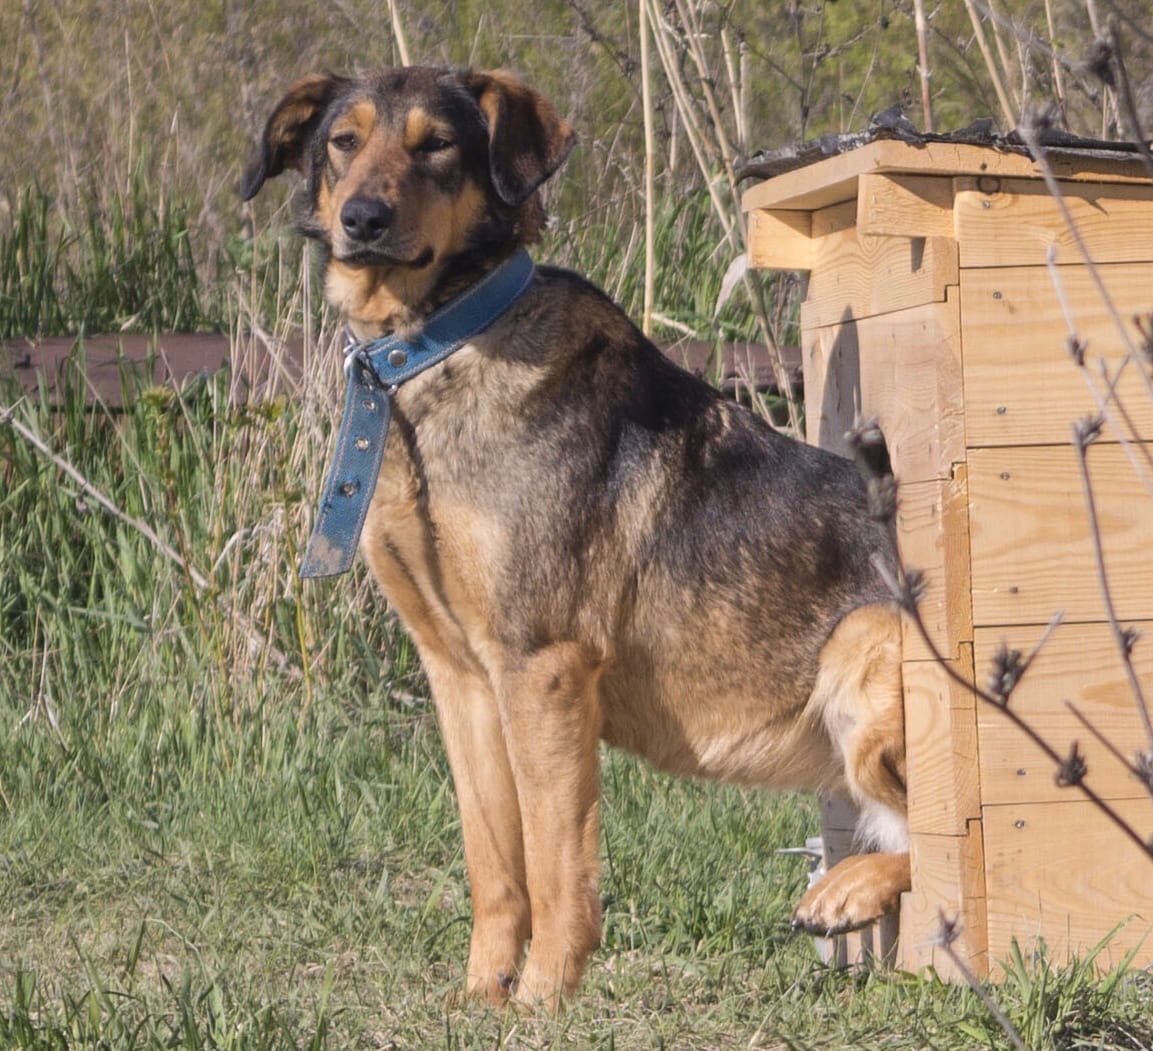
(470, 724)
(552, 724)
(859, 693)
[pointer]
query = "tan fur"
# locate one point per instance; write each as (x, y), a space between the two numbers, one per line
(759, 652)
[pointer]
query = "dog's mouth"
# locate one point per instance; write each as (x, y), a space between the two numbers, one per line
(369, 256)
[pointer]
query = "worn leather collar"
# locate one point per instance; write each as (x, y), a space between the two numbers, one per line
(375, 369)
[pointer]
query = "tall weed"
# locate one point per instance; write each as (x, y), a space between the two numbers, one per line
(110, 264)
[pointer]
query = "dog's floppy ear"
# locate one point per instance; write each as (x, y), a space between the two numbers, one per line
(285, 139)
(527, 139)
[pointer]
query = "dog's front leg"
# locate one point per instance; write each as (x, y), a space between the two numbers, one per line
(470, 724)
(552, 725)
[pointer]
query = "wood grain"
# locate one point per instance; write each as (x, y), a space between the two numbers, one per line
(857, 277)
(1030, 540)
(911, 381)
(780, 240)
(831, 364)
(933, 534)
(904, 369)
(1080, 663)
(899, 205)
(1021, 386)
(1060, 872)
(1013, 222)
(835, 179)
(948, 881)
(941, 749)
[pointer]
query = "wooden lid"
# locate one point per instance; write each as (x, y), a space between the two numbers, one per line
(834, 179)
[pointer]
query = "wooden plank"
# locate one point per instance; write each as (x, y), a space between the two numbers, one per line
(1021, 387)
(910, 379)
(835, 179)
(1061, 872)
(853, 277)
(873, 946)
(857, 277)
(1013, 222)
(1030, 541)
(876, 943)
(780, 240)
(903, 368)
(95, 366)
(831, 365)
(949, 882)
(833, 220)
(1079, 662)
(838, 826)
(940, 748)
(898, 205)
(933, 534)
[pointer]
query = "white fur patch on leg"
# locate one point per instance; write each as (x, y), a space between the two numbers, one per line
(880, 828)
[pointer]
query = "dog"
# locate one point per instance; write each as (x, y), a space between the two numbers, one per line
(584, 541)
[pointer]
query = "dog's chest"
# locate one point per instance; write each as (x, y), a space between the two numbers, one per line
(434, 551)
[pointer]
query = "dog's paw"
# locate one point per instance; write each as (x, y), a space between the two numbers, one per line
(496, 986)
(854, 893)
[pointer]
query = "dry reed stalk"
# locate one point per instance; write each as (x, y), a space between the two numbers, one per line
(991, 65)
(922, 28)
(398, 33)
(735, 73)
(996, 22)
(1058, 76)
(705, 148)
(649, 173)
(1127, 104)
(693, 131)
(1107, 93)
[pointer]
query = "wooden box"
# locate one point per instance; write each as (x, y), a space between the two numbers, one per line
(931, 305)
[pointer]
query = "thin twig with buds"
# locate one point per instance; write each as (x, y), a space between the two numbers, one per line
(948, 931)
(1084, 434)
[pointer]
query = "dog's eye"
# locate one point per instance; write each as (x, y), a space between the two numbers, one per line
(436, 144)
(346, 141)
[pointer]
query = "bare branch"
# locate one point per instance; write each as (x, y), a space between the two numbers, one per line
(949, 930)
(1123, 636)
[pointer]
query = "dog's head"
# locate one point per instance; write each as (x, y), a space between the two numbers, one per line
(409, 172)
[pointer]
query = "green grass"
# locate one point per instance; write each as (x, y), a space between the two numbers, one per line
(124, 262)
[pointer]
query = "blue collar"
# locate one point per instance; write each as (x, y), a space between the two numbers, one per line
(375, 369)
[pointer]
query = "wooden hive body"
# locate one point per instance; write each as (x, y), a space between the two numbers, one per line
(931, 305)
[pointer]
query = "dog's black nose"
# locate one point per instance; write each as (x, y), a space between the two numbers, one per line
(365, 218)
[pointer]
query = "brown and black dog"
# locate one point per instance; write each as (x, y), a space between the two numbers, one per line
(584, 541)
